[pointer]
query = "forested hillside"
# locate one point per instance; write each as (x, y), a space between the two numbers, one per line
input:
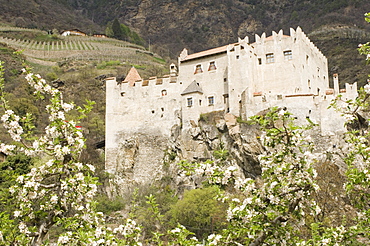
(171, 25)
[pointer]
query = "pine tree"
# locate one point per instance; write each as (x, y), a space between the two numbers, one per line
(117, 30)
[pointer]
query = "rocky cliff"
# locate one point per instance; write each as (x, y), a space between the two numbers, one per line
(148, 157)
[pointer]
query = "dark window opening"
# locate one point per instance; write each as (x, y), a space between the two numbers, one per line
(211, 100)
(198, 69)
(270, 58)
(288, 55)
(189, 101)
(259, 61)
(212, 66)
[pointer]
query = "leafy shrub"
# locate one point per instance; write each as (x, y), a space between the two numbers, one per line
(109, 205)
(200, 212)
(105, 64)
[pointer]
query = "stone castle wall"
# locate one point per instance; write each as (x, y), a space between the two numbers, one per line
(145, 117)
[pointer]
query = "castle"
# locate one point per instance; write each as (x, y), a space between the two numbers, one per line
(241, 79)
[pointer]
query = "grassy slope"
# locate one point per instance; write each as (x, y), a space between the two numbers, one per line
(79, 73)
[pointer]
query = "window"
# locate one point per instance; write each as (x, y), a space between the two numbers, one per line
(189, 101)
(237, 57)
(288, 55)
(198, 69)
(122, 93)
(259, 61)
(164, 93)
(270, 58)
(226, 96)
(212, 66)
(211, 101)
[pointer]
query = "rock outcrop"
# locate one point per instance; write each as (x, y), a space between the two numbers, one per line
(148, 157)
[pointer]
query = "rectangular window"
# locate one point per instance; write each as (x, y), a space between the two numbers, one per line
(198, 69)
(270, 58)
(189, 101)
(288, 55)
(212, 66)
(259, 61)
(211, 101)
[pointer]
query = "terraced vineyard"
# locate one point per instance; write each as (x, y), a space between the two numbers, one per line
(74, 48)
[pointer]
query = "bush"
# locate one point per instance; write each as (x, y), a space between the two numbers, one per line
(108, 206)
(200, 212)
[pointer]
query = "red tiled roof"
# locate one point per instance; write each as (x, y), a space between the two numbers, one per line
(132, 76)
(206, 53)
(271, 37)
(217, 50)
(300, 95)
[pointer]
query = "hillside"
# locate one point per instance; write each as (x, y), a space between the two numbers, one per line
(75, 65)
(195, 24)
(169, 26)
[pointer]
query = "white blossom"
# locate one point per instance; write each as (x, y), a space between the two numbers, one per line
(367, 88)
(67, 107)
(17, 213)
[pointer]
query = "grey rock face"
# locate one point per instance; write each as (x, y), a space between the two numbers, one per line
(146, 157)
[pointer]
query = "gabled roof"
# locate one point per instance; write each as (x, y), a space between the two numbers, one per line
(204, 53)
(132, 76)
(192, 88)
(269, 38)
(218, 50)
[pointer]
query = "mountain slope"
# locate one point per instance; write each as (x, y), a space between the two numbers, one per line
(168, 26)
(45, 15)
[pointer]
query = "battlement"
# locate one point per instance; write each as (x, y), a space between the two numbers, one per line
(152, 81)
(300, 35)
(295, 36)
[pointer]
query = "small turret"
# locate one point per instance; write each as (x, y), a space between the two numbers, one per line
(173, 70)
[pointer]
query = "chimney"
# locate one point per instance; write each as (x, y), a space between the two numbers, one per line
(336, 84)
